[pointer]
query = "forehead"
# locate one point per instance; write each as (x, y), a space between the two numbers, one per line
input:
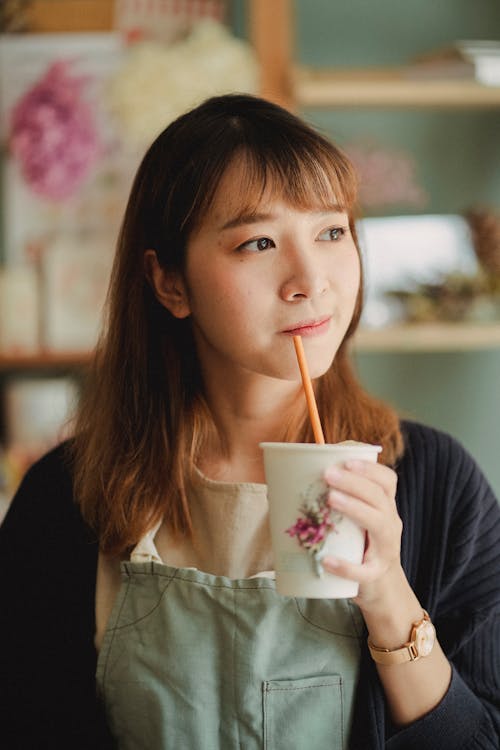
(246, 186)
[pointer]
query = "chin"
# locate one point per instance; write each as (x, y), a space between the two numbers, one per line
(320, 371)
(286, 366)
(316, 370)
(320, 365)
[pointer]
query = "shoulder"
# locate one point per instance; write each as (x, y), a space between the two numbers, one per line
(43, 510)
(439, 479)
(46, 488)
(421, 439)
(450, 513)
(439, 460)
(54, 466)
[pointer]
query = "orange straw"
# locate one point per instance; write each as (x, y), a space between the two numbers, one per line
(308, 390)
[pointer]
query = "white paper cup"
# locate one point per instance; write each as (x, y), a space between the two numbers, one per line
(297, 495)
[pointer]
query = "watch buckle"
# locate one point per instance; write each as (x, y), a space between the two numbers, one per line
(412, 650)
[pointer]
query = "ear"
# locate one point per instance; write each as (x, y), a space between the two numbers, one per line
(168, 286)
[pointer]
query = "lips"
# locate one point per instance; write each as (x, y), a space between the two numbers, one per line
(311, 327)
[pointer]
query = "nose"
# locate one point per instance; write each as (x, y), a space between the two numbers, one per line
(305, 277)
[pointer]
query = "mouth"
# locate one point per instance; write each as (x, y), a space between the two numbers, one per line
(311, 327)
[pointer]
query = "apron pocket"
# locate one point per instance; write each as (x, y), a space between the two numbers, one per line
(303, 713)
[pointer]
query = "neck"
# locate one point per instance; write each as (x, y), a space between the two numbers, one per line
(245, 416)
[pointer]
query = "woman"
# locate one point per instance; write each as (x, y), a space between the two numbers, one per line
(239, 233)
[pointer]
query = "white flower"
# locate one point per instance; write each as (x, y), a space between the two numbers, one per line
(157, 82)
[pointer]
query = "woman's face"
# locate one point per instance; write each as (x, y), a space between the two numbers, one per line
(253, 281)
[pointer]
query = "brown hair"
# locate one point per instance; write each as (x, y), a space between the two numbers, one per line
(142, 419)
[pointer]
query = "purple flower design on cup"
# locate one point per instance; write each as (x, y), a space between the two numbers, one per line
(316, 522)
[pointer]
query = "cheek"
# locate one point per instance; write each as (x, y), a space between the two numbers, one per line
(349, 275)
(356, 274)
(220, 299)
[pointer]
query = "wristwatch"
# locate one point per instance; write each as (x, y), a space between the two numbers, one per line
(420, 643)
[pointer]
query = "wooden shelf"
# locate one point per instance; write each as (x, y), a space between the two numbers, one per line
(388, 87)
(69, 15)
(44, 360)
(421, 337)
(430, 337)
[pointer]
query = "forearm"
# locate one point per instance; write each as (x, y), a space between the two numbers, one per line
(414, 688)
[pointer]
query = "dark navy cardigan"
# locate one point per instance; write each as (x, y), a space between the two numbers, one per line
(450, 553)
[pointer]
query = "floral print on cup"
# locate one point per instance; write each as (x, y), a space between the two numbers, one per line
(316, 522)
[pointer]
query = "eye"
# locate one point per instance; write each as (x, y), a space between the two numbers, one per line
(258, 245)
(333, 234)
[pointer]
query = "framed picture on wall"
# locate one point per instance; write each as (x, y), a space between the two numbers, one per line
(77, 113)
(65, 175)
(63, 163)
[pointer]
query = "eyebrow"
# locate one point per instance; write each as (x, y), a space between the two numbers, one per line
(254, 217)
(246, 218)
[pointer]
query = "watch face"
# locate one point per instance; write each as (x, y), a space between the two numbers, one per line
(425, 637)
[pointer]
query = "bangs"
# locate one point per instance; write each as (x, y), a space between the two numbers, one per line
(278, 157)
(318, 178)
(302, 181)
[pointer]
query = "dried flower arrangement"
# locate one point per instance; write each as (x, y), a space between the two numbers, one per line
(388, 176)
(460, 297)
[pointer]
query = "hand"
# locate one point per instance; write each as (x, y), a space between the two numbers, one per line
(365, 492)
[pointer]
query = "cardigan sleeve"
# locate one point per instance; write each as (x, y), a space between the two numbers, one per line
(455, 563)
(47, 578)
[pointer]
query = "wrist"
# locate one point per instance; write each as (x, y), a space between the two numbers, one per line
(389, 615)
(419, 644)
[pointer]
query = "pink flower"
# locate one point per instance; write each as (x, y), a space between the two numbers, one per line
(53, 134)
(312, 529)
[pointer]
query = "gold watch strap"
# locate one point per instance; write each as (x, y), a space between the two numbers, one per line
(405, 653)
(397, 656)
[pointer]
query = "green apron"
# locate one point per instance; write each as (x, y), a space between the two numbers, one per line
(193, 661)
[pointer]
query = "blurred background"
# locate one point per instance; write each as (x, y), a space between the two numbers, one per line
(410, 91)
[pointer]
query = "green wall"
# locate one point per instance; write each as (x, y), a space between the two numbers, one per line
(456, 392)
(456, 153)
(457, 157)
(386, 32)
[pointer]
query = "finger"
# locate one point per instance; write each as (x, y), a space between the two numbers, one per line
(378, 473)
(357, 510)
(384, 527)
(362, 573)
(355, 486)
(375, 484)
